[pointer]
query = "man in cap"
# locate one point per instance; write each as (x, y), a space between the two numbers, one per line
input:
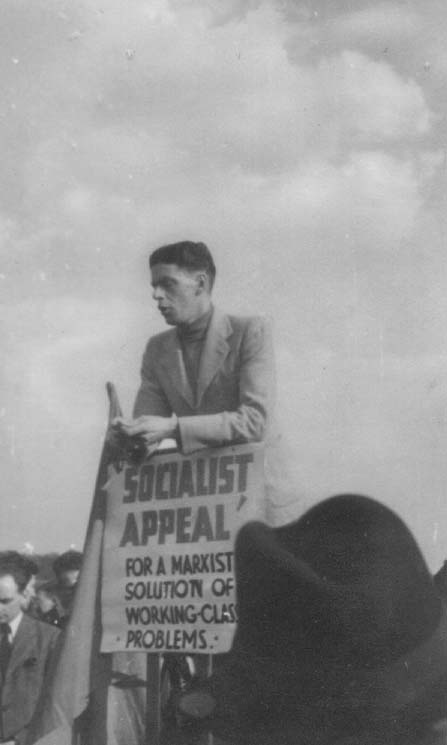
(341, 640)
(26, 650)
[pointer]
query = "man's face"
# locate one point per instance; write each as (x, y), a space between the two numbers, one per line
(177, 292)
(69, 577)
(44, 601)
(12, 601)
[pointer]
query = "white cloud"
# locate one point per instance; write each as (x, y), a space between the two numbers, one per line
(368, 100)
(372, 198)
(386, 21)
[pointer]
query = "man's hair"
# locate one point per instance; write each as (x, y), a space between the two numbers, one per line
(67, 562)
(17, 566)
(32, 566)
(187, 255)
(48, 588)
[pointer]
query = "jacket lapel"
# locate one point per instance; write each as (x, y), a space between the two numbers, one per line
(171, 359)
(24, 645)
(214, 351)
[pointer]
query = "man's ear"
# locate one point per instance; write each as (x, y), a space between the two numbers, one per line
(202, 283)
(26, 598)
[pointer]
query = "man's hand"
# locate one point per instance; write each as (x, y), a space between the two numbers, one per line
(151, 429)
(124, 448)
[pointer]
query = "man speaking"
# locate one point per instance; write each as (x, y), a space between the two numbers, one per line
(207, 382)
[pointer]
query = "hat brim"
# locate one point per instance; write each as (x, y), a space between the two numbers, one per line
(244, 691)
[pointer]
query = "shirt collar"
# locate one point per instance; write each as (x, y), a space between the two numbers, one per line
(14, 624)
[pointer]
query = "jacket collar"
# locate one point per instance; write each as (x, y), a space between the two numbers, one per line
(214, 351)
(14, 624)
(24, 644)
(174, 367)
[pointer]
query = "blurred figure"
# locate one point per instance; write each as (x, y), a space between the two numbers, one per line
(30, 590)
(341, 639)
(47, 605)
(66, 568)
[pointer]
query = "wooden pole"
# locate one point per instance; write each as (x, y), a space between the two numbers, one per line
(153, 699)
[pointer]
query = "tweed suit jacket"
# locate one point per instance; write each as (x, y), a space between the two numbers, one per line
(235, 383)
(31, 654)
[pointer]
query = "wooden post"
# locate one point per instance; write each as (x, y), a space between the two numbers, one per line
(210, 672)
(153, 699)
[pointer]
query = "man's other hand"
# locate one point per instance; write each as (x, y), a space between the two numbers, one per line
(151, 429)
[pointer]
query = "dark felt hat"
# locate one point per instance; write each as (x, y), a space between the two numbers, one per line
(340, 627)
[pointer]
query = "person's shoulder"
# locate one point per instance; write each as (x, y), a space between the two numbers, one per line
(162, 339)
(254, 332)
(47, 629)
(40, 628)
(247, 323)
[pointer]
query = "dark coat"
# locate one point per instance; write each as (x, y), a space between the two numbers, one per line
(26, 675)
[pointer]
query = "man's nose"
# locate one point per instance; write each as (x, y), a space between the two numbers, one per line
(157, 293)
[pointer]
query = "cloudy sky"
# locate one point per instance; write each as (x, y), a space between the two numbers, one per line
(305, 143)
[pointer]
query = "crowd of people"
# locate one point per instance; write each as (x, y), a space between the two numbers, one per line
(33, 614)
(50, 600)
(297, 630)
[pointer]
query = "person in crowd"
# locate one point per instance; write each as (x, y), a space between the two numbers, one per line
(26, 650)
(48, 607)
(341, 638)
(31, 569)
(67, 567)
(208, 381)
(30, 591)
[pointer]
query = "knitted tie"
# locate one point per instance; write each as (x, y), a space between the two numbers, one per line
(5, 647)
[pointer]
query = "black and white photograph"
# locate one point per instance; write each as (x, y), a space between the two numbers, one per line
(223, 414)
